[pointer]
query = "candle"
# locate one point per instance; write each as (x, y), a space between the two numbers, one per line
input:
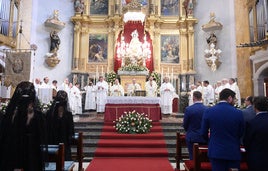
(101, 70)
(264, 88)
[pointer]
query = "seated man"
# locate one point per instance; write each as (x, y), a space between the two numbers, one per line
(132, 88)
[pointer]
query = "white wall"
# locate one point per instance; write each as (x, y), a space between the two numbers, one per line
(41, 11)
(224, 12)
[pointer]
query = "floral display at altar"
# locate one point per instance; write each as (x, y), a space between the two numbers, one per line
(133, 123)
(110, 77)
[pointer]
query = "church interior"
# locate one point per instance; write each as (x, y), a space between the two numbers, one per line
(185, 40)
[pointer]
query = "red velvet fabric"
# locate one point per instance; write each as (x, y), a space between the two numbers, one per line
(114, 111)
(129, 27)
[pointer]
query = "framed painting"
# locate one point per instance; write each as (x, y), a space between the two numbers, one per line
(98, 48)
(170, 8)
(99, 7)
(170, 49)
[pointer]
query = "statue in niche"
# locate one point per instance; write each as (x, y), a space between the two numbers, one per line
(79, 6)
(55, 42)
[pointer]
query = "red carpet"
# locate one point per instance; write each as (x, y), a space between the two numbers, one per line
(131, 152)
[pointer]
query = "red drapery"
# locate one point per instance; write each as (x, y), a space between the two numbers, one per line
(129, 27)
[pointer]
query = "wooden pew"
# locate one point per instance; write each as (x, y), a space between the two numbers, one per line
(201, 162)
(77, 140)
(55, 161)
(180, 144)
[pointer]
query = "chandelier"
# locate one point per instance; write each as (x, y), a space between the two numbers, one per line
(135, 52)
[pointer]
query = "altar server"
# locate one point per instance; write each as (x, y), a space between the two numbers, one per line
(102, 90)
(117, 89)
(76, 99)
(90, 102)
(151, 87)
(166, 93)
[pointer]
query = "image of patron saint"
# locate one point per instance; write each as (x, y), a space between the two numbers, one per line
(117, 89)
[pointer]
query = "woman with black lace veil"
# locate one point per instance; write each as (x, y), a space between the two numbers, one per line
(60, 123)
(22, 131)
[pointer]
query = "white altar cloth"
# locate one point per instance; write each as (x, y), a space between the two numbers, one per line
(133, 100)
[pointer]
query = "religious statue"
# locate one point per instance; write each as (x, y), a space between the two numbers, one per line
(79, 6)
(55, 42)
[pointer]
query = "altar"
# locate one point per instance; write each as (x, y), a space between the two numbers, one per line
(117, 106)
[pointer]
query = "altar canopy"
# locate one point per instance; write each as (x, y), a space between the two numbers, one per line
(129, 46)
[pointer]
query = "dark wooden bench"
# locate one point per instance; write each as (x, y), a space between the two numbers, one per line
(77, 141)
(55, 159)
(201, 162)
(180, 147)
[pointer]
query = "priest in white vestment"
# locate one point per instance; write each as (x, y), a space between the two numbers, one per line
(102, 91)
(131, 89)
(151, 87)
(208, 93)
(90, 100)
(190, 97)
(166, 94)
(76, 99)
(235, 88)
(117, 89)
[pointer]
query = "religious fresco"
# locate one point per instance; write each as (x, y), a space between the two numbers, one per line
(170, 48)
(98, 48)
(170, 8)
(98, 7)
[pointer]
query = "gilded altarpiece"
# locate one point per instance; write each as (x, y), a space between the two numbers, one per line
(155, 24)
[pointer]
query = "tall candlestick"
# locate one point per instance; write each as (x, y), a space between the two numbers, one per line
(102, 70)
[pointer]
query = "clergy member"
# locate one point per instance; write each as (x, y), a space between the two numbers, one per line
(117, 89)
(76, 99)
(151, 87)
(166, 95)
(90, 102)
(102, 90)
(133, 87)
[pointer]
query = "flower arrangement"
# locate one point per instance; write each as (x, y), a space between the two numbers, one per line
(45, 106)
(3, 106)
(110, 77)
(132, 67)
(133, 123)
(156, 77)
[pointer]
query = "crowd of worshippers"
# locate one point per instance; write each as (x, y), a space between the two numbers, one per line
(96, 94)
(210, 92)
(24, 129)
(225, 128)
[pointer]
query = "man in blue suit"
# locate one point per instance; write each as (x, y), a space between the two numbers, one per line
(256, 136)
(192, 122)
(225, 124)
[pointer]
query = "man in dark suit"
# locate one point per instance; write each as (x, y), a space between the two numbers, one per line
(249, 112)
(192, 122)
(256, 136)
(225, 124)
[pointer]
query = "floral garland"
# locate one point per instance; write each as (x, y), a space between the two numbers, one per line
(110, 77)
(133, 123)
(132, 67)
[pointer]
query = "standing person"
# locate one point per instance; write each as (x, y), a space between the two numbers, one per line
(54, 88)
(256, 136)
(22, 131)
(225, 124)
(102, 91)
(65, 85)
(117, 89)
(151, 87)
(131, 89)
(192, 122)
(217, 91)
(76, 99)
(208, 93)
(90, 102)
(45, 83)
(190, 97)
(60, 125)
(37, 84)
(235, 88)
(249, 113)
(166, 95)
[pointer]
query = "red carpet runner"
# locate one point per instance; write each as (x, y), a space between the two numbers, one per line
(131, 152)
